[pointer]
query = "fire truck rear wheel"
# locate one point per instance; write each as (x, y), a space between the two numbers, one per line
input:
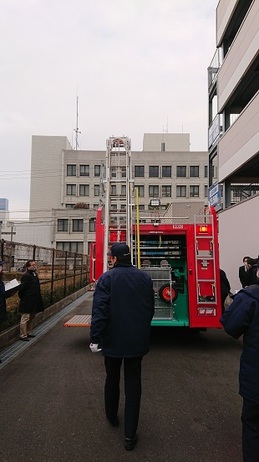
(164, 293)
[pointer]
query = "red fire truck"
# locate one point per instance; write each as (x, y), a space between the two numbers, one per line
(182, 258)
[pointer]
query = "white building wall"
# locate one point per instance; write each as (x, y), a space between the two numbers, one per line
(46, 171)
(172, 142)
(240, 142)
(224, 12)
(239, 227)
(33, 233)
(239, 57)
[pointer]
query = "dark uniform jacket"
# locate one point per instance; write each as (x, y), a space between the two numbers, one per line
(242, 318)
(3, 313)
(123, 307)
(246, 276)
(30, 294)
(224, 287)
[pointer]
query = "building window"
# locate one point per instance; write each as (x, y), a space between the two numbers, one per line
(153, 191)
(205, 171)
(166, 191)
(153, 171)
(162, 147)
(77, 225)
(71, 189)
(205, 190)
(84, 190)
(92, 225)
(70, 206)
(71, 170)
(194, 191)
(123, 190)
(96, 190)
(62, 225)
(181, 191)
(181, 171)
(113, 172)
(97, 170)
(75, 247)
(141, 190)
(113, 190)
(123, 172)
(194, 171)
(139, 171)
(166, 171)
(84, 170)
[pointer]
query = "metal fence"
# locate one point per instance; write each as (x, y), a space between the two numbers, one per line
(60, 272)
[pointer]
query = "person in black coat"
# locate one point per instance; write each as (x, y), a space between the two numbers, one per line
(30, 300)
(242, 319)
(224, 288)
(123, 307)
(245, 272)
(3, 296)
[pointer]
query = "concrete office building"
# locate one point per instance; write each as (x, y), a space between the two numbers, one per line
(234, 131)
(7, 228)
(66, 186)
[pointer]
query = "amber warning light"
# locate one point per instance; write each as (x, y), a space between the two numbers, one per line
(203, 229)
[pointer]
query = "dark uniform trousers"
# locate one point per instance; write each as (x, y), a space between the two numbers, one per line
(132, 384)
(250, 429)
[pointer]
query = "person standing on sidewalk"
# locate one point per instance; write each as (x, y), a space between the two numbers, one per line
(30, 300)
(3, 296)
(242, 320)
(123, 307)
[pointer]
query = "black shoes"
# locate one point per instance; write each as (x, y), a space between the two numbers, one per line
(115, 422)
(27, 339)
(130, 443)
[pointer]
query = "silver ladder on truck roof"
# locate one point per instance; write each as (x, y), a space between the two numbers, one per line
(118, 190)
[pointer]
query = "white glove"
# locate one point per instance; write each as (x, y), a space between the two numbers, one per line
(94, 348)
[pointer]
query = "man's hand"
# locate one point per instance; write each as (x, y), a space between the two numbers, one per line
(94, 348)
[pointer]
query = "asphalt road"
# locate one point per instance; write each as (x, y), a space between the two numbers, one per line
(51, 402)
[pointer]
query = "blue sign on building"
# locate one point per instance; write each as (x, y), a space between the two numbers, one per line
(3, 204)
(215, 195)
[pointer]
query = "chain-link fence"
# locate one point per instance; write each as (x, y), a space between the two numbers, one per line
(61, 273)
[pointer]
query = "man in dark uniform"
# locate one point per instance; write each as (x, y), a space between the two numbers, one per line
(30, 300)
(123, 307)
(245, 272)
(242, 318)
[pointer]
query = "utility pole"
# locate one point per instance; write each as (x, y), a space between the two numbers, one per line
(77, 128)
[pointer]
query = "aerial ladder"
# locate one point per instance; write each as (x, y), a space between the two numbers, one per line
(118, 195)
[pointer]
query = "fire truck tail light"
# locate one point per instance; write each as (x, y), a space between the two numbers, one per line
(206, 311)
(203, 229)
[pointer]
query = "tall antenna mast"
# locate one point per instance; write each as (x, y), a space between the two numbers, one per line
(77, 129)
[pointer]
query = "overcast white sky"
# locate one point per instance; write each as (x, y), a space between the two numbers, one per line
(137, 66)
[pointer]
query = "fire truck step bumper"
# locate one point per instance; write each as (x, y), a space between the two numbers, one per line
(79, 320)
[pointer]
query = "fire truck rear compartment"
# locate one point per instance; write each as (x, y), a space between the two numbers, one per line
(163, 257)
